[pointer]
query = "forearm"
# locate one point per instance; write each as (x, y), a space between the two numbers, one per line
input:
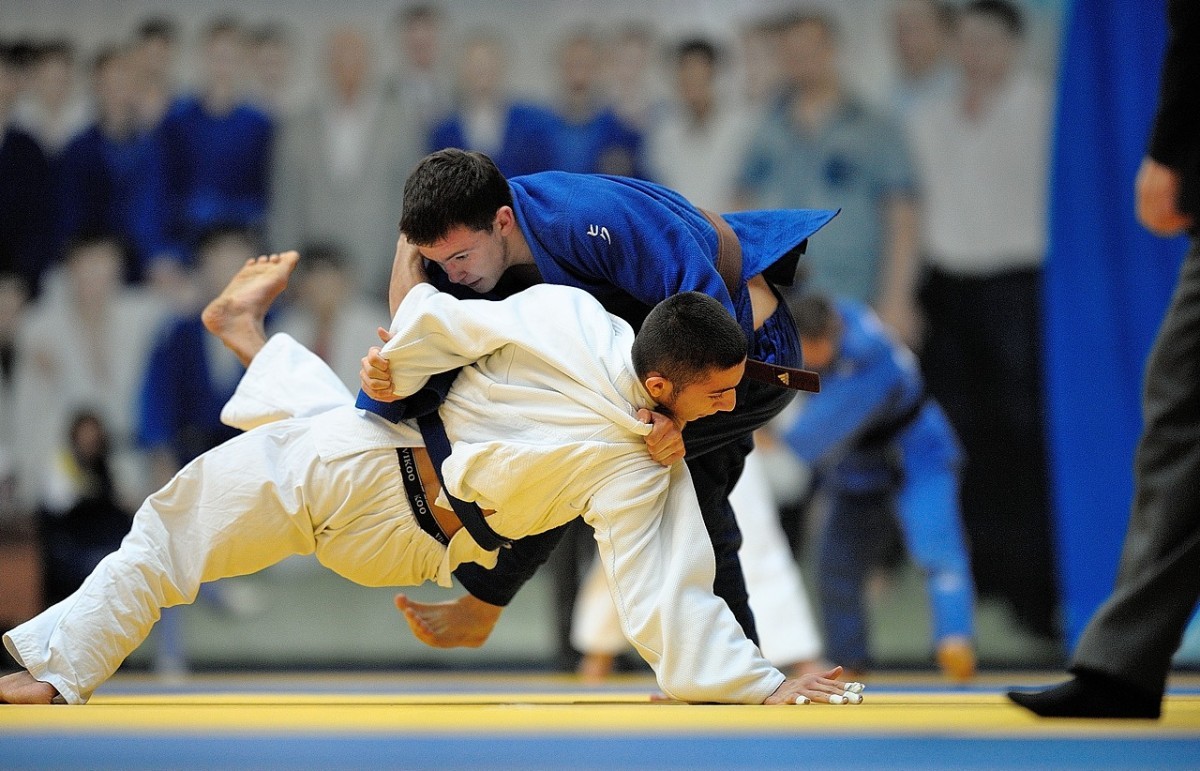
(659, 566)
(408, 270)
(898, 274)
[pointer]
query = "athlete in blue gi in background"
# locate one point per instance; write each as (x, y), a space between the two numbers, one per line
(880, 448)
(630, 243)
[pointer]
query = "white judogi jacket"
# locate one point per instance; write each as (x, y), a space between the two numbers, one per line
(544, 429)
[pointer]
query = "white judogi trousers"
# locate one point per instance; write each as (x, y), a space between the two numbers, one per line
(253, 501)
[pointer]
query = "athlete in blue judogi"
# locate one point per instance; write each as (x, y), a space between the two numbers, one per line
(630, 243)
(880, 448)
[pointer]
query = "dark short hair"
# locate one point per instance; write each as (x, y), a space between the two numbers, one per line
(1003, 11)
(805, 16)
(106, 55)
(686, 337)
(452, 188)
(220, 232)
(698, 47)
(224, 24)
(416, 12)
(161, 27)
(318, 255)
(271, 32)
(92, 237)
(18, 55)
(816, 316)
(56, 48)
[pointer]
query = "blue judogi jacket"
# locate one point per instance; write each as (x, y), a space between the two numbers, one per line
(623, 239)
(218, 167)
(874, 383)
(26, 206)
(602, 144)
(179, 407)
(116, 185)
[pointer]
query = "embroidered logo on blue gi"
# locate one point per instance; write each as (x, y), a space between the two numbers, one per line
(599, 231)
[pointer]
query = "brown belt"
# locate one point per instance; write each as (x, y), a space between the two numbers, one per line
(729, 266)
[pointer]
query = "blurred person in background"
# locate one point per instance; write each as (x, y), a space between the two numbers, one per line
(217, 145)
(982, 154)
(187, 376)
(700, 122)
(155, 49)
(824, 147)
(921, 33)
(111, 176)
(518, 135)
(110, 327)
(272, 59)
(326, 312)
(80, 518)
(885, 455)
(52, 110)
(25, 184)
(758, 75)
(421, 85)
(340, 164)
(591, 137)
(638, 91)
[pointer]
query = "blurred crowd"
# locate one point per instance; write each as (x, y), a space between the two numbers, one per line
(127, 203)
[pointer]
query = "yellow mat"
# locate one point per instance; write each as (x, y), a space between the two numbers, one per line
(464, 706)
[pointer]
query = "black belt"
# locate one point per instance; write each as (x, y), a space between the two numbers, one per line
(423, 407)
(437, 444)
(886, 431)
(417, 498)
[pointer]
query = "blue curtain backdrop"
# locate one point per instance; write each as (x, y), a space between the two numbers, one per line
(1108, 282)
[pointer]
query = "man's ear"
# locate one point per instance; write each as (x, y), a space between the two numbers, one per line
(505, 219)
(658, 386)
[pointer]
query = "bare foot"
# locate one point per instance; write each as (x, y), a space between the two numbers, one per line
(465, 622)
(236, 315)
(594, 668)
(21, 688)
(956, 658)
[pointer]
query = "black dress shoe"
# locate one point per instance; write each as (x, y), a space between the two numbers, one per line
(1091, 695)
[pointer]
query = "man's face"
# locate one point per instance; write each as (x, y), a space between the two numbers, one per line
(695, 81)
(474, 258)
(709, 395)
(917, 35)
(481, 70)
(818, 352)
(808, 54)
(987, 50)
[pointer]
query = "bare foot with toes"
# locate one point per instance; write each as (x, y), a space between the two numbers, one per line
(236, 315)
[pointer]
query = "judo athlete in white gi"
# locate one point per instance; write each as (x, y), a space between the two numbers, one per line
(544, 427)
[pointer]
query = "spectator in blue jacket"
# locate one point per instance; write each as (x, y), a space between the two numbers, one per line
(519, 135)
(217, 145)
(110, 177)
